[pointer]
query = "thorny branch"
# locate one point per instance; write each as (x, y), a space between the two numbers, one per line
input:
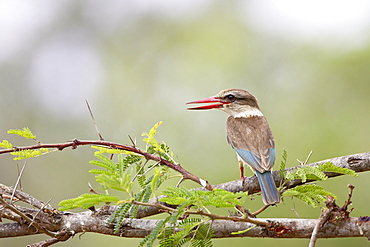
(75, 143)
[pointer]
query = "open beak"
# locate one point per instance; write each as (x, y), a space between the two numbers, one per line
(207, 100)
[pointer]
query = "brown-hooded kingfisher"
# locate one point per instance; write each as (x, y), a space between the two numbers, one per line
(249, 135)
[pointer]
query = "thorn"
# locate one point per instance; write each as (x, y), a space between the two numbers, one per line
(18, 181)
(93, 119)
(92, 190)
(295, 211)
(308, 157)
(92, 208)
(138, 172)
(132, 141)
(180, 181)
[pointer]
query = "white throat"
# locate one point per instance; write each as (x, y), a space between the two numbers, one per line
(242, 112)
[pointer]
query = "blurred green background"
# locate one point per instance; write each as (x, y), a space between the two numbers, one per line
(139, 62)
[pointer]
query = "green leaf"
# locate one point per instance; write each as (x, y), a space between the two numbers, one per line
(86, 201)
(6, 144)
(25, 132)
(283, 163)
(149, 239)
(99, 171)
(311, 194)
(117, 183)
(149, 139)
(329, 167)
(28, 153)
(119, 216)
(306, 173)
(200, 199)
(104, 162)
(157, 175)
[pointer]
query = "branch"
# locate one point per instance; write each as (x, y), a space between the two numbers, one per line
(357, 162)
(139, 228)
(284, 228)
(75, 143)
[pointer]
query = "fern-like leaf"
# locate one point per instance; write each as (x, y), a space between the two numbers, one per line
(6, 144)
(329, 167)
(104, 162)
(284, 159)
(119, 215)
(98, 171)
(117, 183)
(306, 173)
(25, 132)
(311, 194)
(28, 153)
(149, 239)
(86, 201)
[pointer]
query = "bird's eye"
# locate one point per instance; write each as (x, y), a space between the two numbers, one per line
(230, 97)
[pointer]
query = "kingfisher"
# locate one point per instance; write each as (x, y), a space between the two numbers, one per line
(249, 134)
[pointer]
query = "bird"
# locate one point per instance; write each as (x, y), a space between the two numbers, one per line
(249, 134)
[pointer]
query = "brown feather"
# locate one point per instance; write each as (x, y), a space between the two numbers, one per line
(251, 134)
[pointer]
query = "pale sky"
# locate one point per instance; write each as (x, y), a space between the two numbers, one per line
(342, 21)
(323, 22)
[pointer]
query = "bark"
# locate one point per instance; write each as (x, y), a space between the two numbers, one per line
(139, 228)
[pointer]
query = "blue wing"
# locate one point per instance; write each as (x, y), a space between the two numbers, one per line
(255, 161)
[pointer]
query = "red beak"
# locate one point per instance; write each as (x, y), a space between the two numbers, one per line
(207, 100)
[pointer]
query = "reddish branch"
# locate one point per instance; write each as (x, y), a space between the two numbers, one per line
(75, 143)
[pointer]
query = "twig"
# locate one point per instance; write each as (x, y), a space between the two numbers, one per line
(325, 214)
(348, 201)
(157, 205)
(260, 210)
(25, 217)
(235, 219)
(22, 196)
(45, 243)
(61, 237)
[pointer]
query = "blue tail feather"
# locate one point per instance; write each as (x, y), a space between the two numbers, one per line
(270, 194)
